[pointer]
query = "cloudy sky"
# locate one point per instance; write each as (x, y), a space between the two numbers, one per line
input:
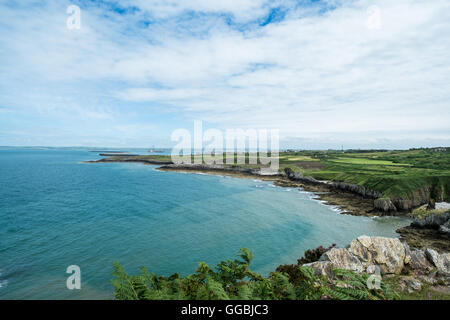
(325, 73)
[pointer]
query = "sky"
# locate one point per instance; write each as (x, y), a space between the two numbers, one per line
(326, 74)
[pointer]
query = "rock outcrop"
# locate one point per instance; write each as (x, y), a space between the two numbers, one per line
(381, 204)
(349, 187)
(433, 221)
(384, 205)
(354, 188)
(342, 259)
(387, 253)
(445, 228)
(388, 256)
(432, 231)
(419, 261)
(440, 261)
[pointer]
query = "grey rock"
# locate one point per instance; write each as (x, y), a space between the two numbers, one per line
(445, 228)
(387, 253)
(407, 253)
(414, 284)
(428, 279)
(342, 259)
(433, 221)
(373, 269)
(354, 188)
(384, 205)
(440, 261)
(295, 175)
(445, 258)
(419, 261)
(324, 268)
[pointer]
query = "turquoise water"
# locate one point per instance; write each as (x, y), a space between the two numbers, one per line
(56, 211)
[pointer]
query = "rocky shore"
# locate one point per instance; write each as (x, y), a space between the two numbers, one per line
(393, 261)
(432, 231)
(353, 199)
(349, 198)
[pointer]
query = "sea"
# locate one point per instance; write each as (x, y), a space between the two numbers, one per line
(57, 211)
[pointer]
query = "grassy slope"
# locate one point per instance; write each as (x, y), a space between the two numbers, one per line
(394, 173)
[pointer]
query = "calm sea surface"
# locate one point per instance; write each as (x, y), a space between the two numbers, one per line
(56, 211)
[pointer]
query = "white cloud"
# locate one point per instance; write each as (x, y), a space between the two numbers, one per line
(309, 75)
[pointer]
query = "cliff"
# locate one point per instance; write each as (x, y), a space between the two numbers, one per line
(390, 205)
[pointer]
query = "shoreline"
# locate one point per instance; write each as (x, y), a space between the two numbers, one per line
(345, 202)
(341, 201)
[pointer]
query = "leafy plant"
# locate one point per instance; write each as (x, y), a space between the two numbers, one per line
(311, 255)
(233, 279)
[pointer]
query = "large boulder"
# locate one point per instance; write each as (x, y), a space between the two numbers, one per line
(387, 253)
(343, 259)
(440, 261)
(419, 261)
(387, 256)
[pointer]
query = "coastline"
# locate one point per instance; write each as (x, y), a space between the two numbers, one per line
(346, 202)
(342, 200)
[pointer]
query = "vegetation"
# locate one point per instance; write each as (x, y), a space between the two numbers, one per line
(396, 174)
(233, 279)
(393, 173)
(423, 212)
(294, 271)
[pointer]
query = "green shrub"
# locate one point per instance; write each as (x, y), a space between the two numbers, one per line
(233, 279)
(312, 255)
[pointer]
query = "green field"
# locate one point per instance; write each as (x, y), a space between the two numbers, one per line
(395, 173)
(365, 161)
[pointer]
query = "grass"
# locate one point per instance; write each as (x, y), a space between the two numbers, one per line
(288, 158)
(396, 173)
(365, 161)
(427, 291)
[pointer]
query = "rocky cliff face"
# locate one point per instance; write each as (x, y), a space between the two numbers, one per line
(384, 205)
(353, 188)
(388, 206)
